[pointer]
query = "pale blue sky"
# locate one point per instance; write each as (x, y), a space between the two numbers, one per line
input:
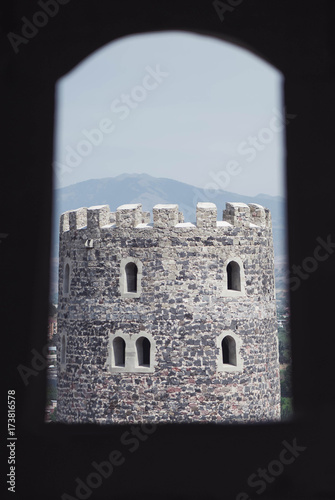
(190, 127)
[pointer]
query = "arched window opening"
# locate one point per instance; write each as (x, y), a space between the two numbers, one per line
(119, 349)
(228, 345)
(63, 350)
(67, 279)
(233, 276)
(143, 351)
(131, 277)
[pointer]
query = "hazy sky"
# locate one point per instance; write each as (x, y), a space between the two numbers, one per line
(176, 105)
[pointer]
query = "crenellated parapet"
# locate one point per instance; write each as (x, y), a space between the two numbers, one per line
(165, 216)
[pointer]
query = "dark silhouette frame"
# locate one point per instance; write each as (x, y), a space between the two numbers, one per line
(299, 40)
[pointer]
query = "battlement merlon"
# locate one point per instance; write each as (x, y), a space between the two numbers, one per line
(251, 214)
(98, 216)
(206, 215)
(165, 216)
(129, 215)
(64, 222)
(78, 218)
(237, 214)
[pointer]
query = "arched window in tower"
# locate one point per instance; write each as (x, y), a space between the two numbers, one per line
(233, 276)
(119, 350)
(228, 346)
(63, 350)
(67, 278)
(131, 277)
(143, 347)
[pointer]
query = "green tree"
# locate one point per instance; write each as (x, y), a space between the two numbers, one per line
(286, 408)
(53, 416)
(51, 393)
(286, 382)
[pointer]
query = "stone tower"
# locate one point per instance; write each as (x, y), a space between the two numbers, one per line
(167, 321)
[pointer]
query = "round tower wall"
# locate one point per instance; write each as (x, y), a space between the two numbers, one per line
(203, 298)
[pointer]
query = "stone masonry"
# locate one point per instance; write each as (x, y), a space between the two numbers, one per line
(203, 299)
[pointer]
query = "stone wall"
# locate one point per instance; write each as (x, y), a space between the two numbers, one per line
(183, 306)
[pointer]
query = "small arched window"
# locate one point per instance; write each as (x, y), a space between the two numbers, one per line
(143, 351)
(119, 350)
(131, 277)
(63, 350)
(228, 346)
(233, 276)
(67, 279)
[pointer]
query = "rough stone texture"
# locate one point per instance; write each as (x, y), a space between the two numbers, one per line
(129, 215)
(165, 216)
(183, 306)
(206, 215)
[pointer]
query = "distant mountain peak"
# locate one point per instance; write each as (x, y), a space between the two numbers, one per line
(129, 176)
